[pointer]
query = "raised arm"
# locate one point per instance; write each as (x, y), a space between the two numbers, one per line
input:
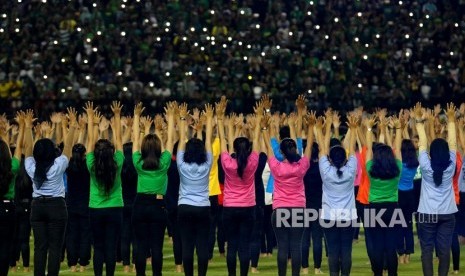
(419, 122)
(28, 142)
(256, 134)
(89, 108)
(116, 108)
(69, 138)
(398, 138)
(220, 109)
(310, 124)
(264, 124)
(369, 138)
(183, 115)
(20, 137)
(209, 127)
(170, 112)
(138, 109)
(320, 137)
(352, 122)
(451, 132)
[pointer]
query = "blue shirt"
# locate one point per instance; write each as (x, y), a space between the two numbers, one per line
(338, 201)
(194, 189)
(279, 156)
(436, 199)
(54, 186)
(462, 179)
(406, 178)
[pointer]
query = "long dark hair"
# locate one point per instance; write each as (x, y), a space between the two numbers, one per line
(195, 152)
(5, 168)
(105, 165)
(77, 162)
(409, 154)
(289, 149)
(44, 154)
(150, 152)
(440, 159)
(338, 157)
(242, 147)
(384, 163)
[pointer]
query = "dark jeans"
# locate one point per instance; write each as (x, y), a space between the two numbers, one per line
(289, 240)
(127, 236)
(315, 232)
(238, 224)
(339, 241)
(149, 219)
(460, 224)
(214, 218)
(268, 237)
(405, 243)
(48, 220)
(78, 238)
(194, 223)
(436, 230)
(23, 226)
(368, 239)
(383, 241)
(455, 249)
(105, 224)
(176, 235)
(256, 236)
(7, 230)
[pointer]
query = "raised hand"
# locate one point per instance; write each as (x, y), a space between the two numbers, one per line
(89, 109)
(352, 121)
(146, 122)
(300, 103)
(183, 111)
(116, 107)
(196, 114)
(208, 111)
(259, 107)
(104, 124)
(138, 109)
(437, 110)
(266, 102)
(72, 116)
(220, 109)
(336, 119)
(418, 112)
(450, 112)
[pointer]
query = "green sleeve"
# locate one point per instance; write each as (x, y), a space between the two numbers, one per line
(90, 160)
(368, 166)
(165, 160)
(136, 160)
(119, 158)
(14, 165)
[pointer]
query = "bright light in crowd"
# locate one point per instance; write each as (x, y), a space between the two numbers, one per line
(249, 77)
(421, 25)
(336, 19)
(456, 25)
(167, 74)
(45, 77)
(212, 12)
(78, 29)
(311, 3)
(213, 43)
(44, 1)
(63, 90)
(291, 33)
(257, 26)
(407, 54)
(439, 67)
(240, 43)
(365, 57)
(196, 44)
(451, 53)
(202, 48)
(158, 38)
(2, 30)
(167, 29)
(63, 60)
(17, 19)
(309, 91)
(151, 84)
(55, 42)
(359, 85)
(407, 36)
(125, 89)
(184, 38)
(249, 46)
(94, 5)
(209, 69)
(87, 77)
(192, 29)
(168, 24)
(224, 46)
(95, 49)
(99, 33)
(245, 58)
(242, 12)
(317, 27)
(356, 39)
(4, 15)
(263, 54)
(86, 61)
(204, 29)
(208, 37)
(400, 3)
(359, 14)
(123, 6)
(278, 47)
(119, 73)
(366, 45)
(427, 16)
(309, 13)
(334, 57)
(88, 40)
(229, 38)
(326, 36)
(17, 30)
(123, 33)
(411, 14)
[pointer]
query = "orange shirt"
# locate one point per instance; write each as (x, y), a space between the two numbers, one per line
(364, 187)
(455, 180)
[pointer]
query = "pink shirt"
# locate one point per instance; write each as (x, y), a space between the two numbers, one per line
(358, 175)
(239, 192)
(289, 188)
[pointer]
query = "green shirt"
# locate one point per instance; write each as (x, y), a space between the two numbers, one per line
(98, 199)
(383, 190)
(10, 194)
(153, 181)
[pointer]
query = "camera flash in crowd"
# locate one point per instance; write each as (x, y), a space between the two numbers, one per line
(359, 85)
(326, 36)
(63, 60)
(317, 27)
(263, 54)
(420, 25)
(125, 89)
(120, 73)
(167, 74)
(55, 42)
(309, 13)
(94, 49)
(336, 19)
(439, 66)
(209, 69)
(365, 57)
(407, 36)
(151, 84)
(87, 77)
(202, 48)
(257, 26)
(224, 46)
(356, 39)
(378, 36)
(359, 14)
(88, 40)
(334, 57)
(99, 33)
(192, 29)
(45, 77)
(158, 38)
(78, 29)
(17, 30)
(309, 91)
(411, 14)
(245, 58)
(451, 53)
(63, 90)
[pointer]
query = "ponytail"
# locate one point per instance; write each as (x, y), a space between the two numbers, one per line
(242, 149)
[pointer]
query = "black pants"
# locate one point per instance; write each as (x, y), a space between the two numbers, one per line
(127, 236)
(315, 233)
(149, 219)
(238, 224)
(339, 241)
(48, 221)
(268, 237)
(176, 235)
(359, 208)
(256, 236)
(23, 226)
(436, 230)
(194, 224)
(220, 235)
(7, 230)
(106, 227)
(405, 243)
(214, 214)
(78, 242)
(383, 241)
(455, 249)
(289, 240)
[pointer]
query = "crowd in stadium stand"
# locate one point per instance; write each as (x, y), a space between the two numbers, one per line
(342, 53)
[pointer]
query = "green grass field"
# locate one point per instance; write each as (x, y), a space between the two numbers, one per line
(267, 265)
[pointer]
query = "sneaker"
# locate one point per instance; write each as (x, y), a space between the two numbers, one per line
(254, 270)
(305, 270)
(126, 269)
(178, 268)
(82, 268)
(407, 259)
(318, 271)
(73, 268)
(402, 259)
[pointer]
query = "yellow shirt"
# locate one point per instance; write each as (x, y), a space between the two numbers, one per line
(214, 183)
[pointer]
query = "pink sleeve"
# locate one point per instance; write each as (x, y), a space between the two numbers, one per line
(305, 164)
(226, 159)
(273, 163)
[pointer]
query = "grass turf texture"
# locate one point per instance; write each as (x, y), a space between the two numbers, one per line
(267, 265)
